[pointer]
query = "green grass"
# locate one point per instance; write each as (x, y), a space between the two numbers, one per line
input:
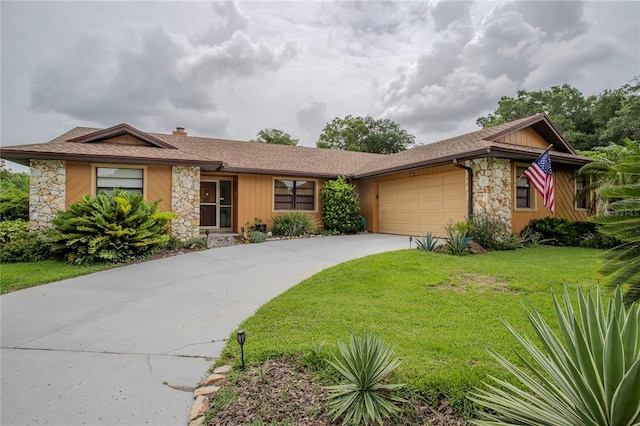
(440, 311)
(16, 276)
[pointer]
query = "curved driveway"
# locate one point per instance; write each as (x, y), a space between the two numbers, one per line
(126, 346)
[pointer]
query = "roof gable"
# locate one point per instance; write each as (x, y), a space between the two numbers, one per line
(542, 125)
(115, 135)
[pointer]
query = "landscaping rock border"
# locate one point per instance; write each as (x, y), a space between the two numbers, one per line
(202, 393)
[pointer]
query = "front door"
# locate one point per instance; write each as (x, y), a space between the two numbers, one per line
(215, 204)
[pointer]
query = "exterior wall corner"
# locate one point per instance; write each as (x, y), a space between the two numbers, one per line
(492, 187)
(47, 192)
(185, 202)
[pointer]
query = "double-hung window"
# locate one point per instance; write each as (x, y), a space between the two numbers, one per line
(129, 179)
(294, 194)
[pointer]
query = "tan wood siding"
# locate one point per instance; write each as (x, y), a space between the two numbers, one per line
(159, 186)
(525, 137)
(563, 181)
(255, 199)
(425, 202)
(78, 181)
(127, 140)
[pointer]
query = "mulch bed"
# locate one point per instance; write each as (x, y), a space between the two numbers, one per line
(289, 395)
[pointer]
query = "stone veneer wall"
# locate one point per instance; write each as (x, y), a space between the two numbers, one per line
(47, 192)
(185, 201)
(492, 187)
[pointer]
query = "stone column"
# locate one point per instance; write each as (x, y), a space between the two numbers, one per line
(492, 187)
(185, 201)
(47, 192)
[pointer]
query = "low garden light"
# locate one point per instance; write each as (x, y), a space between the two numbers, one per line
(241, 337)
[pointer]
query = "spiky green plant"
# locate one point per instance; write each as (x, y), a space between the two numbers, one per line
(588, 375)
(427, 243)
(364, 362)
(110, 228)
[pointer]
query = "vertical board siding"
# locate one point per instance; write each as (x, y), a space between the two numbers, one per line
(78, 181)
(563, 179)
(525, 137)
(159, 186)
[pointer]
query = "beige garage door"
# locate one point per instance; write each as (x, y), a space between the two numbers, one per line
(421, 204)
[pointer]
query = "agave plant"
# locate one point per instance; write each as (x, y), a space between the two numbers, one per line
(427, 243)
(364, 362)
(589, 375)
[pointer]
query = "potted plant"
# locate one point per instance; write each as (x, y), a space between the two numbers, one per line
(262, 227)
(464, 228)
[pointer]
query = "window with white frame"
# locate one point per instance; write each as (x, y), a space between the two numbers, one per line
(109, 178)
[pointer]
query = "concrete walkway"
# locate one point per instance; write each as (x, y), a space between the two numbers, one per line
(126, 346)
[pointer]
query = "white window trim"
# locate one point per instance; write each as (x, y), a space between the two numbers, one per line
(94, 172)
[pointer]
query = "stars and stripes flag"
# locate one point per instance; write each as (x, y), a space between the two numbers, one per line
(539, 174)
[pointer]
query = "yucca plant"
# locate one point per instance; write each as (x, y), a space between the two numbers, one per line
(589, 375)
(110, 228)
(456, 243)
(364, 362)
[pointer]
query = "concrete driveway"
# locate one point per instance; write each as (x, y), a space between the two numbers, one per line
(126, 346)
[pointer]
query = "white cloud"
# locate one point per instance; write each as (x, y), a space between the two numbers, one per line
(229, 69)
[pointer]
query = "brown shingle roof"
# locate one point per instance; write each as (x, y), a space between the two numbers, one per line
(79, 144)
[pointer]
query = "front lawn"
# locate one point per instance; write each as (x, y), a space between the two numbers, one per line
(440, 311)
(16, 276)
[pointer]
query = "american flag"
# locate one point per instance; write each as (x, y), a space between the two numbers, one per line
(539, 173)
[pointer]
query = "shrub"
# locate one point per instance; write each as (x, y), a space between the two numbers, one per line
(340, 206)
(491, 232)
(25, 247)
(14, 205)
(427, 243)
(587, 375)
(364, 362)
(114, 228)
(561, 232)
(256, 237)
(10, 228)
(291, 224)
(174, 243)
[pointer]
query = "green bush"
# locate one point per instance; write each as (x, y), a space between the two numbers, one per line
(114, 228)
(340, 206)
(491, 232)
(589, 374)
(195, 243)
(256, 237)
(26, 247)
(365, 362)
(14, 205)
(10, 228)
(291, 224)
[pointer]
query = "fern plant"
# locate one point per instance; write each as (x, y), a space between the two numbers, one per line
(114, 228)
(588, 375)
(364, 362)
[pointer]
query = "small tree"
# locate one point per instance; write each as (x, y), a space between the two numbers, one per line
(276, 137)
(106, 228)
(14, 194)
(340, 206)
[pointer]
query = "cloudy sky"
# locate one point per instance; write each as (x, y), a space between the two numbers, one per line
(229, 69)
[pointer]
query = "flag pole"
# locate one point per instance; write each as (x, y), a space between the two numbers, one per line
(550, 145)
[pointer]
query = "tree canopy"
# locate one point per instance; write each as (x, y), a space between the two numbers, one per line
(586, 122)
(365, 135)
(14, 194)
(275, 136)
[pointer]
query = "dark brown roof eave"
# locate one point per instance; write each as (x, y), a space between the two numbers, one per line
(283, 172)
(27, 155)
(491, 151)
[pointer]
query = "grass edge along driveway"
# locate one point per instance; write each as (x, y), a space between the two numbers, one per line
(440, 311)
